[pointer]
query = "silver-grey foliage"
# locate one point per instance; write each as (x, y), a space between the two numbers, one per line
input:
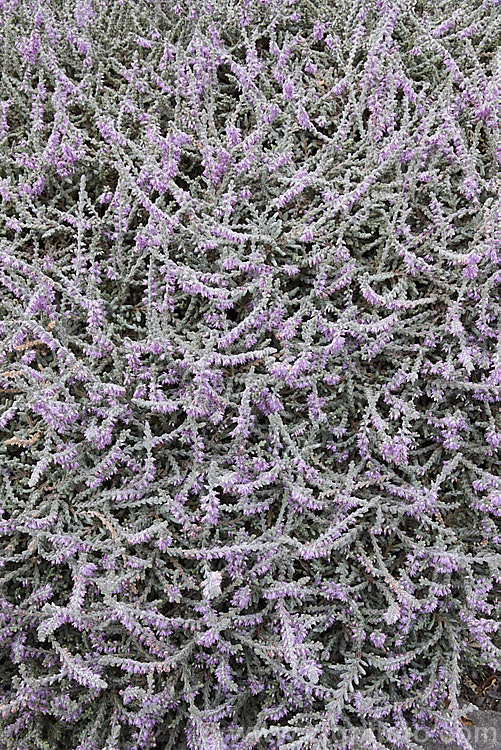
(249, 371)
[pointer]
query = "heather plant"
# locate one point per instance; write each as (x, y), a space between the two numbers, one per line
(250, 371)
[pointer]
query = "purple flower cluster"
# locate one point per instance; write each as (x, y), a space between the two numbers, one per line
(250, 375)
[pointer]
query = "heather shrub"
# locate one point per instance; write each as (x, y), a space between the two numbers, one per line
(249, 371)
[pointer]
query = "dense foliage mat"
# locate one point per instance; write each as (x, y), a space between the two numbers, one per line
(250, 371)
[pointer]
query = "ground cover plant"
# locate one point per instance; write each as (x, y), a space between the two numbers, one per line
(249, 371)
